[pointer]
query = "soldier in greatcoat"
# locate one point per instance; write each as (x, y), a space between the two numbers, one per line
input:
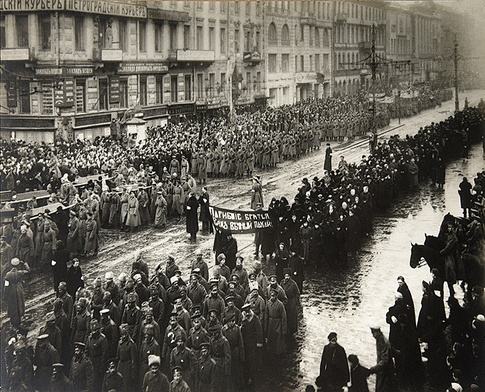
(232, 332)
(221, 352)
(81, 374)
(206, 367)
(59, 382)
(127, 355)
(173, 331)
(113, 380)
(80, 322)
(132, 316)
(97, 351)
(197, 334)
(276, 325)
(148, 347)
(45, 356)
(293, 304)
(252, 334)
(183, 358)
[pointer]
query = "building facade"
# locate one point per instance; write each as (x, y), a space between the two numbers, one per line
(399, 47)
(355, 24)
(73, 66)
(298, 35)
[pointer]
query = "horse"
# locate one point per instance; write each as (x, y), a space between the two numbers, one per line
(429, 252)
(423, 254)
(474, 265)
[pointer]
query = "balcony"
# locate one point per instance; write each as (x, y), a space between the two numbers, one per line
(108, 55)
(252, 57)
(15, 54)
(202, 56)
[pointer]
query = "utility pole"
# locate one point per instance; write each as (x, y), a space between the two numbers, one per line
(455, 61)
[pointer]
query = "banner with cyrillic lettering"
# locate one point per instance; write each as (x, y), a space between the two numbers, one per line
(242, 222)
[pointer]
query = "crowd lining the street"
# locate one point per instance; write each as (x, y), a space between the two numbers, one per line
(153, 331)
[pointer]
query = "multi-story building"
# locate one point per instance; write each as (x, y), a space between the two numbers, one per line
(297, 50)
(427, 43)
(81, 63)
(78, 64)
(399, 46)
(355, 24)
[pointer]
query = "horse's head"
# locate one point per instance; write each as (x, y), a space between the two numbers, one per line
(416, 259)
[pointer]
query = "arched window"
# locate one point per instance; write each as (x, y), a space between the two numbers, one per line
(285, 35)
(272, 36)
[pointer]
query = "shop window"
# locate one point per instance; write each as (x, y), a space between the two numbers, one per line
(123, 93)
(174, 88)
(200, 86)
(24, 92)
(80, 95)
(47, 98)
(103, 94)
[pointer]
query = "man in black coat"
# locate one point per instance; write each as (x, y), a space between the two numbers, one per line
(334, 370)
(192, 222)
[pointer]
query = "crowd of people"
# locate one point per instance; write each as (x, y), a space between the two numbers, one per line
(210, 148)
(329, 215)
(152, 330)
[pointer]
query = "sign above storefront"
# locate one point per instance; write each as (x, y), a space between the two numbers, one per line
(89, 6)
(175, 16)
(136, 68)
(64, 71)
(306, 77)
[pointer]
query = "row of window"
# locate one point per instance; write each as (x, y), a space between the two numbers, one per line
(351, 60)
(209, 87)
(360, 11)
(281, 63)
(104, 37)
(222, 6)
(314, 35)
(400, 46)
(353, 34)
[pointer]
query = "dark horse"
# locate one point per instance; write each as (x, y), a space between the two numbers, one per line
(422, 254)
(474, 270)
